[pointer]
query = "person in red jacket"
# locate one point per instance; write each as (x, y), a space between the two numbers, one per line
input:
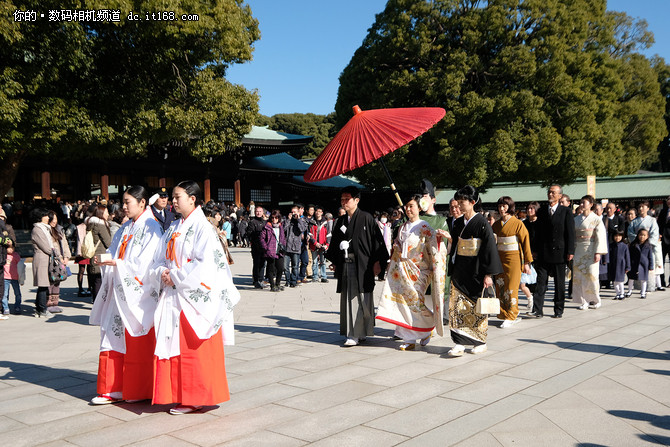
(318, 244)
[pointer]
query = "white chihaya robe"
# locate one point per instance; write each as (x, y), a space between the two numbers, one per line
(418, 260)
(203, 289)
(124, 301)
(590, 239)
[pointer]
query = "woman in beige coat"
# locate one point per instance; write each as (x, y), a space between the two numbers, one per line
(102, 238)
(62, 250)
(42, 246)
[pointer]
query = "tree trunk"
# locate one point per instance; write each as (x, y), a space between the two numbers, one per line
(9, 166)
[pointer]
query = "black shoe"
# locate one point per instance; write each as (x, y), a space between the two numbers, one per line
(660, 289)
(258, 285)
(534, 315)
(16, 311)
(324, 280)
(291, 285)
(557, 316)
(280, 288)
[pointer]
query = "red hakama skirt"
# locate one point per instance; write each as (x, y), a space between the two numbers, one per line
(130, 373)
(195, 377)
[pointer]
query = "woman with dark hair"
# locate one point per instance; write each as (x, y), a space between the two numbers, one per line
(125, 309)
(194, 318)
(62, 251)
(528, 281)
(42, 248)
(272, 236)
(102, 238)
(590, 245)
(418, 260)
(118, 218)
(474, 262)
(515, 255)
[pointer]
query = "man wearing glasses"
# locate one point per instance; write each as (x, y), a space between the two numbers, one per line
(556, 247)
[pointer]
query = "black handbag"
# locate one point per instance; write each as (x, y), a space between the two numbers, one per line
(57, 270)
(281, 249)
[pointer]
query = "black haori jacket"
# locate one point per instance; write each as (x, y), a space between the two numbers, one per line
(365, 242)
(467, 272)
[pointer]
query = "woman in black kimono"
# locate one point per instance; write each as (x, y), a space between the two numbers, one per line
(474, 262)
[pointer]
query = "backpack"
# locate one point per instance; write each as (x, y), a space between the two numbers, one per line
(88, 248)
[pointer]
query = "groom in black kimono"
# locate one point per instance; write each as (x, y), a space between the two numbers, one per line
(356, 250)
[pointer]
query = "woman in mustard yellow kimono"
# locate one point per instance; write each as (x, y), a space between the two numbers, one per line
(513, 245)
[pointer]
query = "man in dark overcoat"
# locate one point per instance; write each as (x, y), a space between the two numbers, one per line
(356, 251)
(254, 229)
(556, 247)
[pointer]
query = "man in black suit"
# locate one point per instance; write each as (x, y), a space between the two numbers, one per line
(613, 222)
(454, 213)
(663, 220)
(556, 247)
(163, 216)
(356, 250)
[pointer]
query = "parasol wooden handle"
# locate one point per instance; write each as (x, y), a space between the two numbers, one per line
(397, 196)
(388, 176)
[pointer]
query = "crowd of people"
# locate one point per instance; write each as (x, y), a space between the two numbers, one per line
(163, 293)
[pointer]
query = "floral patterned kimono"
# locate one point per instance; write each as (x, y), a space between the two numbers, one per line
(194, 318)
(124, 310)
(418, 260)
(590, 239)
(513, 245)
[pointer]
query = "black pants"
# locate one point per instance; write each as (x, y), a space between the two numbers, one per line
(275, 269)
(665, 249)
(41, 300)
(543, 271)
(258, 265)
(95, 281)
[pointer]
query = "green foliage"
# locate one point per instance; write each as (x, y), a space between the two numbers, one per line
(109, 89)
(663, 72)
(321, 127)
(535, 90)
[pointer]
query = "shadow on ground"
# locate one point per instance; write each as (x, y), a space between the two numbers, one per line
(604, 349)
(72, 382)
(308, 330)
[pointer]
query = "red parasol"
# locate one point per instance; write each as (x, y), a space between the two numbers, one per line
(370, 135)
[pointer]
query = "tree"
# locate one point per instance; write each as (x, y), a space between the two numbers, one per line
(663, 71)
(535, 90)
(89, 88)
(321, 127)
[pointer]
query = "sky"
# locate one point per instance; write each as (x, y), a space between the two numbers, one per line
(305, 45)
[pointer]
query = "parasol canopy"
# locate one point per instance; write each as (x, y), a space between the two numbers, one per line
(370, 135)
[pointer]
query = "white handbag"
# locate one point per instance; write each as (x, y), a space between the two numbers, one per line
(487, 306)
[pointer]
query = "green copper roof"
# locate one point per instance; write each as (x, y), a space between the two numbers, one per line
(264, 135)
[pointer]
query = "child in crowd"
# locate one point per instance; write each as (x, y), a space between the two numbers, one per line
(641, 262)
(619, 264)
(12, 279)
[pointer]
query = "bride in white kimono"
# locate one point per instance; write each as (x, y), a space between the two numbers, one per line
(124, 308)
(194, 317)
(590, 245)
(418, 261)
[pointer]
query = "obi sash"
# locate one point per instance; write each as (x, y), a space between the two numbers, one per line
(468, 247)
(508, 243)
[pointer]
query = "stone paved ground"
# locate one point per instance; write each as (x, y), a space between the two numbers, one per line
(594, 378)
